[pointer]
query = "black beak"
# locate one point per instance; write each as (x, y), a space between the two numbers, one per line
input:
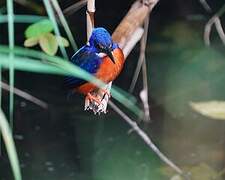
(109, 53)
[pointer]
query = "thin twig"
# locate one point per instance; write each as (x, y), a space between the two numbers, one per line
(142, 63)
(141, 56)
(52, 17)
(219, 29)
(145, 138)
(90, 17)
(64, 23)
(144, 92)
(25, 95)
(206, 5)
(75, 7)
(214, 20)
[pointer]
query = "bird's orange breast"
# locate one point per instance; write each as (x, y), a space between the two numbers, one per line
(107, 72)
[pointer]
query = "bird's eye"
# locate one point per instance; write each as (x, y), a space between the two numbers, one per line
(99, 46)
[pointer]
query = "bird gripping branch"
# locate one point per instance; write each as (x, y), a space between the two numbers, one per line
(102, 58)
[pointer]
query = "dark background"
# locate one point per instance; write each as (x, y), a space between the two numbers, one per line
(64, 142)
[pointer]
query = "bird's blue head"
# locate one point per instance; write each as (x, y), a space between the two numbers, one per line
(102, 42)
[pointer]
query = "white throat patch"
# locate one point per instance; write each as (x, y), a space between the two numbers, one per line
(101, 55)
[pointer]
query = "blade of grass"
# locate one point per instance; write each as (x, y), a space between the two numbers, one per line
(51, 15)
(23, 18)
(57, 65)
(10, 146)
(11, 57)
(0, 104)
(0, 108)
(64, 23)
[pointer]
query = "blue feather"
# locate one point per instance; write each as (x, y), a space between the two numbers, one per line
(87, 59)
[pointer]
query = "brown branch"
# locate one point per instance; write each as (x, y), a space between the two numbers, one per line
(90, 17)
(133, 20)
(123, 35)
(25, 95)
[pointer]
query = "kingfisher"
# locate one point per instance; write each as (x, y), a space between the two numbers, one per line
(100, 57)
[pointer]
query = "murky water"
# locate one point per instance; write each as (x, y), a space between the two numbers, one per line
(64, 142)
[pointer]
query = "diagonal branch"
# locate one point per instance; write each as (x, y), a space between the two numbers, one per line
(146, 139)
(25, 95)
(215, 19)
(206, 6)
(75, 7)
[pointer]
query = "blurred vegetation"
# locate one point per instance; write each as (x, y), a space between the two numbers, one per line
(182, 71)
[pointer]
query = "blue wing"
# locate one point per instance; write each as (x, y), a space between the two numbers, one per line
(87, 60)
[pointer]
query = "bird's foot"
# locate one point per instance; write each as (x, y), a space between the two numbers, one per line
(97, 101)
(105, 92)
(94, 103)
(93, 99)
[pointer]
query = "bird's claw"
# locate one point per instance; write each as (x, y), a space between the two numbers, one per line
(95, 103)
(93, 98)
(105, 92)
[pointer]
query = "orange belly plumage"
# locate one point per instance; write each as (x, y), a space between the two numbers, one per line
(107, 72)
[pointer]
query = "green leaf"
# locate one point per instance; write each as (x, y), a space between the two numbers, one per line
(62, 40)
(48, 44)
(31, 42)
(10, 145)
(211, 109)
(57, 65)
(39, 28)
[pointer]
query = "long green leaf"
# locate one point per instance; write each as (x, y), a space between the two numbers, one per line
(0, 107)
(10, 146)
(57, 65)
(51, 15)
(11, 57)
(23, 18)
(0, 103)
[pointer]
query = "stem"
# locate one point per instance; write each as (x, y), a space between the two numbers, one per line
(10, 146)
(11, 57)
(64, 23)
(0, 108)
(141, 56)
(52, 17)
(145, 138)
(144, 92)
(215, 19)
(90, 17)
